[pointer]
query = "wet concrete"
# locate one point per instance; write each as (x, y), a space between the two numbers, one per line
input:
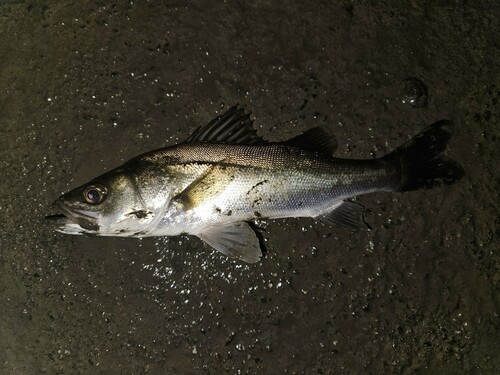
(85, 86)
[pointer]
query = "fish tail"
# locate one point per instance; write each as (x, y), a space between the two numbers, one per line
(421, 161)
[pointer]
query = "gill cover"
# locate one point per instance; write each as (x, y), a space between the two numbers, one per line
(114, 204)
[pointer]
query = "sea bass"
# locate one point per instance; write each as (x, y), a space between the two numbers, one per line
(225, 175)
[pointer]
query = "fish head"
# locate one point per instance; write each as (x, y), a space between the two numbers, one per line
(113, 204)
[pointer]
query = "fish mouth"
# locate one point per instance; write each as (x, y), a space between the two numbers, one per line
(74, 221)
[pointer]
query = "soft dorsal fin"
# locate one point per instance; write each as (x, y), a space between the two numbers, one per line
(316, 139)
(234, 127)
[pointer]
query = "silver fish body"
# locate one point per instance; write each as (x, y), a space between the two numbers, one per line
(225, 175)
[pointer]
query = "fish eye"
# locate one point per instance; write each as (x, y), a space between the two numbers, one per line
(94, 194)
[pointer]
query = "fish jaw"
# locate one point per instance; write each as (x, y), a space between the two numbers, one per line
(69, 227)
(77, 221)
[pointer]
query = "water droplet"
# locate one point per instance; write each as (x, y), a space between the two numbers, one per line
(415, 92)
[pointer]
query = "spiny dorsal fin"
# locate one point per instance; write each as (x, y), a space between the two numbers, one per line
(233, 127)
(316, 139)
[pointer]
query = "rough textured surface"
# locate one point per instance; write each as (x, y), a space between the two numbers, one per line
(85, 86)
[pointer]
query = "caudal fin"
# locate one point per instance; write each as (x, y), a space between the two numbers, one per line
(421, 160)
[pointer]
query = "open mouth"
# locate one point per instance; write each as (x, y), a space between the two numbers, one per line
(74, 221)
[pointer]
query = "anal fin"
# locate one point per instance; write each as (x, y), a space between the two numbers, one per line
(236, 240)
(348, 215)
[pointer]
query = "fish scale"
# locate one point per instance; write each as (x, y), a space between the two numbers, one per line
(225, 175)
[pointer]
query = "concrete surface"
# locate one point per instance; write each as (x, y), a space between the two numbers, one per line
(86, 85)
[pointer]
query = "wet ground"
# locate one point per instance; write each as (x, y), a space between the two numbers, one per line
(85, 86)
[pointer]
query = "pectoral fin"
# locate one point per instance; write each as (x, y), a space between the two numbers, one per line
(236, 240)
(348, 215)
(209, 185)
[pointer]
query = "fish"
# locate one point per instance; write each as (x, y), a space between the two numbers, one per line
(225, 176)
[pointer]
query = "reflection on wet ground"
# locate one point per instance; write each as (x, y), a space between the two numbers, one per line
(86, 86)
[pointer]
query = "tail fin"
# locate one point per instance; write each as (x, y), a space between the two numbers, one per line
(421, 160)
